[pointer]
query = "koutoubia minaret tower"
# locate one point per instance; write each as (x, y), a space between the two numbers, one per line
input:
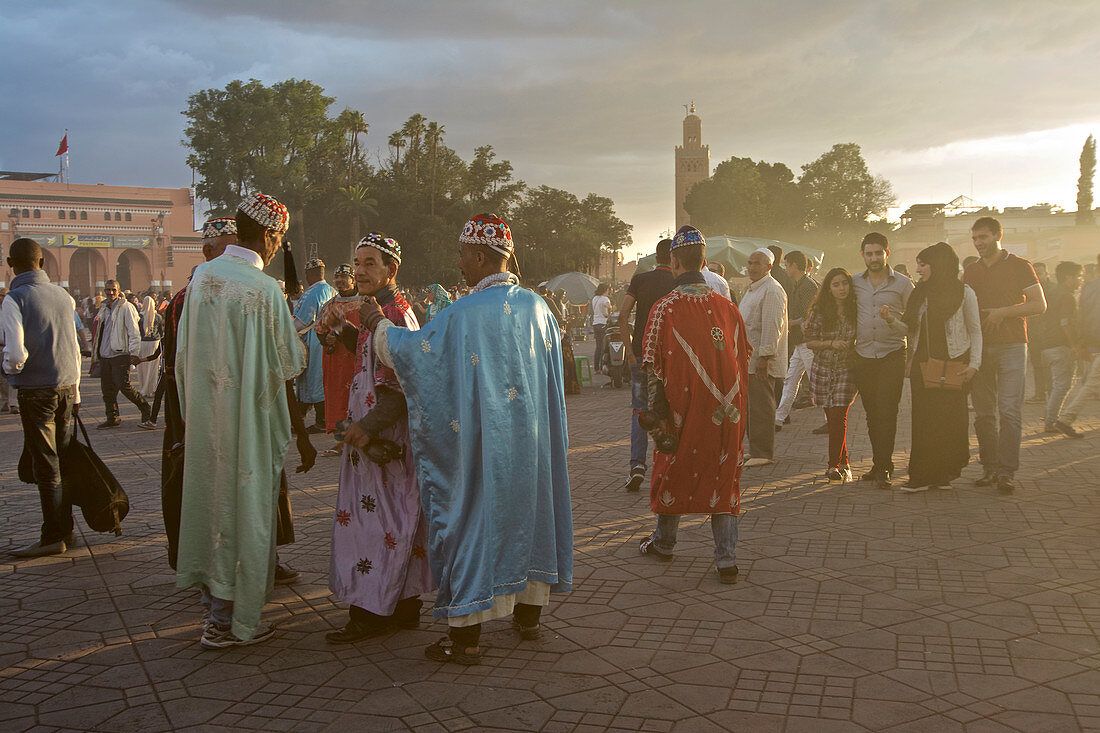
(692, 163)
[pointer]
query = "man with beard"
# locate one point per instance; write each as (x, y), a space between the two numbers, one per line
(878, 365)
(379, 562)
(484, 382)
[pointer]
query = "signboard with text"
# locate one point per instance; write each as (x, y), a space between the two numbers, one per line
(132, 242)
(86, 240)
(45, 240)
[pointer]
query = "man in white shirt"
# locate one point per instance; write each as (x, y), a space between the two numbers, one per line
(764, 308)
(601, 312)
(117, 346)
(716, 280)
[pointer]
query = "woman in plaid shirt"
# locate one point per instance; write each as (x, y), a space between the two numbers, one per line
(830, 331)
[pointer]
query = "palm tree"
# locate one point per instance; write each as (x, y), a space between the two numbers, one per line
(355, 202)
(433, 135)
(397, 141)
(354, 125)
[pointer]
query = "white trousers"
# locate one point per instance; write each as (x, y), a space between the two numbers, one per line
(800, 363)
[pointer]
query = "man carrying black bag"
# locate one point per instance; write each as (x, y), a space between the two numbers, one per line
(42, 360)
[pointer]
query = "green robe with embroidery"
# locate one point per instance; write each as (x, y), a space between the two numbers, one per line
(236, 349)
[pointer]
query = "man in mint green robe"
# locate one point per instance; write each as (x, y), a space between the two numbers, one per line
(237, 348)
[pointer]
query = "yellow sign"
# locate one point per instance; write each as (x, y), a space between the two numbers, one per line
(87, 240)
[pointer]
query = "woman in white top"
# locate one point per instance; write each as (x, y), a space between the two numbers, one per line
(601, 312)
(944, 323)
(148, 372)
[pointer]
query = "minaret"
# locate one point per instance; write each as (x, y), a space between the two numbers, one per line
(692, 163)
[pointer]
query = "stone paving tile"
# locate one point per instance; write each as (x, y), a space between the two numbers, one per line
(857, 609)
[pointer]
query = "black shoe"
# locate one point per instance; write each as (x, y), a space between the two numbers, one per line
(527, 633)
(823, 430)
(787, 420)
(882, 481)
(1066, 430)
(988, 479)
(285, 575)
(778, 427)
(635, 482)
(315, 429)
(727, 576)
(354, 632)
(647, 548)
(108, 424)
(1005, 485)
(871, 475)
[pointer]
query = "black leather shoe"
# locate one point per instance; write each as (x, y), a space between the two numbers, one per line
(108, 424)
(988, 479)
(1005, 485)
(354, 632)
(870, 475)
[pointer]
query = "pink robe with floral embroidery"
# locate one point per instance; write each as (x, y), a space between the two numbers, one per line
(379, 537)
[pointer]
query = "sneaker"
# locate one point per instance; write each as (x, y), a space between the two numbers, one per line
(823, 430)
(727, 576)
(1005, 484)
(1066, 429)
(754, 462)
(988, 479)
(354, 632)
(910, 488)
(222, 637)
(40, 550)
(108, 424)
(147, 425)
(787, 420)
(846, 474)
(778, 427)
(647, 548)
(285, 575)
(635, 482)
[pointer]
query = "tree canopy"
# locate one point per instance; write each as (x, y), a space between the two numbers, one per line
(283, 140)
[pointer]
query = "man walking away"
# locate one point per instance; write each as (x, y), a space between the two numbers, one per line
(879, 362)
(117, 346)
(800, 295)
(1008, 292)
(645, 289)
(1063, 344)
(42, 361)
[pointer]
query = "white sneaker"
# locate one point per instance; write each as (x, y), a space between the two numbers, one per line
(913, 489)
(222, 637)
(753, 462)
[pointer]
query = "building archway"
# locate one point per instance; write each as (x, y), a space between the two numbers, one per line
(51, 266)
(87, 268)
(133, 271)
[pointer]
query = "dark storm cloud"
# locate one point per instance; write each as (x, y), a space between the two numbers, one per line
(582, 95)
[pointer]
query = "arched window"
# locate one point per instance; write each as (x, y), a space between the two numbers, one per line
(13, 212)
(128, 218)
(72, 214)
(83, 215)
(61, 214)
(106, 216)
(118, 216)
(37, 214)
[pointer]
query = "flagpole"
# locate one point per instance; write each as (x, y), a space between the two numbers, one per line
(66, 156)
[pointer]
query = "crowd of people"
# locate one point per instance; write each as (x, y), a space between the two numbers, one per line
(446, 407)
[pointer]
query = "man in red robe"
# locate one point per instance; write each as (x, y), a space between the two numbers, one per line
(696, 353)
(338, 363)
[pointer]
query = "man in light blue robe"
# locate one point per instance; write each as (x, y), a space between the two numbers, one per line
(311, 386)
(483, 382)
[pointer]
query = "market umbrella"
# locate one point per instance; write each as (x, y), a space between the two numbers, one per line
(733, 252)
(579, 288)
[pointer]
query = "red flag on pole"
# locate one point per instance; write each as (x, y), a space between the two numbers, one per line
(64, 146)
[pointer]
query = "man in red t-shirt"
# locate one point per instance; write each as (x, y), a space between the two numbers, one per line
(1008, 291)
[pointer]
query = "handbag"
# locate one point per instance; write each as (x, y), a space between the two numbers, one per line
(90, 485)
(940, 373)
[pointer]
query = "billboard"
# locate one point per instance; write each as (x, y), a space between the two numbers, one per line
(131, 242)
(86, 240)
(45, 240)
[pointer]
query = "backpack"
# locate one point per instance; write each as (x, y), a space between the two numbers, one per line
(90, 485)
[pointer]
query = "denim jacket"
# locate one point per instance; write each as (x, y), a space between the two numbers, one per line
(964, 329)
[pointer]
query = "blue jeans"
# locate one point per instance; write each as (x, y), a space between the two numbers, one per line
(639, 401)
(1060, 362)
(723, 526)
(600, 332)
(998, 396)
(221, 611)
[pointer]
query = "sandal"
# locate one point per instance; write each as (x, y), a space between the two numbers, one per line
(445, 650)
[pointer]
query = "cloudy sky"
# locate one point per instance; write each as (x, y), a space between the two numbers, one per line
(992, 99)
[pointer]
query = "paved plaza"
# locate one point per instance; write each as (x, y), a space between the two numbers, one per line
(857, 609)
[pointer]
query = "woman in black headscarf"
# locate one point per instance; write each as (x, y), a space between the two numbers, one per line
(943, 319)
